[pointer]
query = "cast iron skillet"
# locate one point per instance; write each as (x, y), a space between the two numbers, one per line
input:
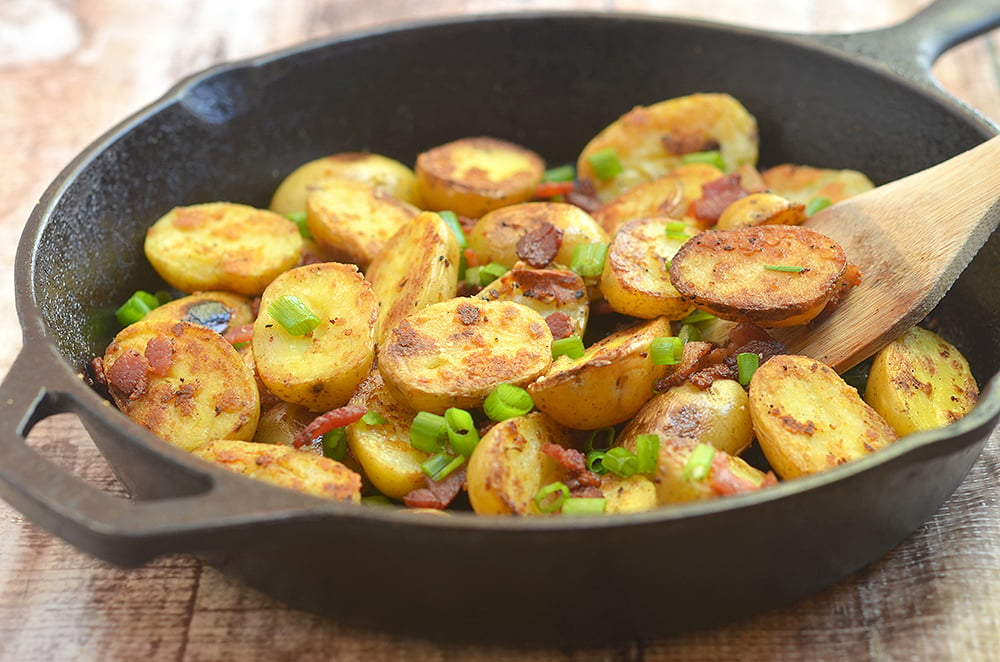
(549, 81)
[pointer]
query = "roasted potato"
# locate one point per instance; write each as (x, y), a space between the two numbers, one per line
(280, 423)
(649, 141)
(727, 474)
(920, 381)
(807, 419)
(320, 369)
(454, 353)
(546, 291)
(628, 495)
(761, 209)
(801, 183)
(286, 467)
(351, 221)
(472, 176)
(663, 196)
(218, 310)
(182, 381)
(508, 467)
(381, 173)
(608, 384)
(222, 246)
(418, 266)
(636, 277)
(771, 275)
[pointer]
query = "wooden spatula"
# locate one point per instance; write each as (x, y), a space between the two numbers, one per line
(912, 238)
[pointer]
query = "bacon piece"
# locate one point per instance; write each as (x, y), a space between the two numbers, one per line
(437, 495)
(724, 481)
(579, 478)
(704, 367)
(716, 195)
(129, 374)
(159, 353)
(560, 324)
(539, 246)
(239, 334)
(335, 418)
(693, 359)
(584, 196)
(97, 370)
(552, 189)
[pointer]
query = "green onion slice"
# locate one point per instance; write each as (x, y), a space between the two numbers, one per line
(428, 432)
(601, 438)
(461, 429)
(563, 173)
(372, 417)
(295, 316)
(746, 365)
(595, 462)
(571, 347)
(816, 204)
(440, 465)
(784, 267)
(490, 272)
(620, 461)
(689, 333)
(712, 158)
(584, 506)
(136, 307)
(699, 463)
(507, 401)
(550, 499)
(605, 163)
(376, 500)
(698, 316)
(299, 218)
(335, 444)
(451, 218)
(677, 230)
(647, 452)
(666, 350)
(588, 259)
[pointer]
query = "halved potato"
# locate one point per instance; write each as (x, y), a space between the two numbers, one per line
(761, 209)
(291, 468)
(807, 419)
(320, 369)
(546, 291)
(628, 495)
(454, 353)
(608, 384)
(920, 381)
(674, 486)
(217, 310)
(771, 275)
(663, 196)
(222, 246)
(801, 183)
(182, 381)
(649, 141)
(472, 176)
(418, 266)
(374, 170)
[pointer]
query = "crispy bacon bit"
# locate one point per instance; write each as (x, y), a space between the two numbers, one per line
(159, 353)
(239, 334)
(552, 189)
(335, 418)
(437, 495)
(584, 196)
(539, 246)
(693, 360)
(97, 371)
(128, 374)
(685, 143)
(724, 481)
(721, 362)
(560, 324)
(471, 257)
(580, 480)
(716, 195)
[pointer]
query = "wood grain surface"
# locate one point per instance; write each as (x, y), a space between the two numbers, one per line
(70, 69)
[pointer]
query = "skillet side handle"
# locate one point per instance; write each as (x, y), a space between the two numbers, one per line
(229, 511)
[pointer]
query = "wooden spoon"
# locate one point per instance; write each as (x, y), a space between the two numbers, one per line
(911, 238)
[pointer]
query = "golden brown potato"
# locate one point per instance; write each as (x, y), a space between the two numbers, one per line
(801, 183)
(546, 291)
(628, 495)
(351, 222)
(182, 381)
(319, 369)
(222, 246)
(285, 467)
(418, 266)
(636, 278)
(920, 381)
(807, 419)
(280, 424)
(472, 176)
(608, 384)
(771, 275)
(374, 170)
(454, 353)
(218, 310)
(761, 209)
(663, 197)
(649, 141)
(728, 474)
(508, 467)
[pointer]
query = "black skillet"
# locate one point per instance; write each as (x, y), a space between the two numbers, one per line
(549, 82)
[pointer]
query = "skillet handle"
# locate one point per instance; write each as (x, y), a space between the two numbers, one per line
(220, 510)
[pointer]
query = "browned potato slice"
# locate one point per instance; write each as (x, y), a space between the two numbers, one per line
(472, 176)
(608, 384)
(222, 246)
(636, 278)
(807, 419)
(418, 266)
(663, 196)
(728, 474)
(761, 209)
(508, 467)
(384, 451)
(454, 353)
(628, 495)
(801, 183)
(546, 291)
(182, 381)
(286, 467)
(739, 275)
(321, 369)
(217, 310)
(281, 423)
(351, 222)
(649, 141)
(920, 381)
(374, 170)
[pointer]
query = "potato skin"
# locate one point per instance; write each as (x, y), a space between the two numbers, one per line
(628, 495)
(546, 291)
(673, 487)
(182, 381)
(801, 183)
(807, 419)
(920, 381)
(454, 353)
(761, 209)
(222, 246)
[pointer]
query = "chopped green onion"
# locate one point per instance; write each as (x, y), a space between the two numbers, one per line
(666, 350)
(335, 444)
(372, 417)
(300, 220)
(621, 461)
(647, 452)
(784, 267)
(699, 463)
(295, 316)
(588, 259)
(677, 230)
(550, 498)
(746, 364)
(376, 500)
(571, 347)
(462, 433)
(595, 462)
(605, 435)
(451, 218)
(563, 173)
(490, 272)
(507, 401)
(136, 307)
(689, 333)
(712, 158)
(605, 163)
(584, 506)
(817, 204)
(471, 276)
(163, 296)
(428, 432)
(698, 316)
(440, 465)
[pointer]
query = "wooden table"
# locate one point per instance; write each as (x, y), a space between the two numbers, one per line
(70, 70)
